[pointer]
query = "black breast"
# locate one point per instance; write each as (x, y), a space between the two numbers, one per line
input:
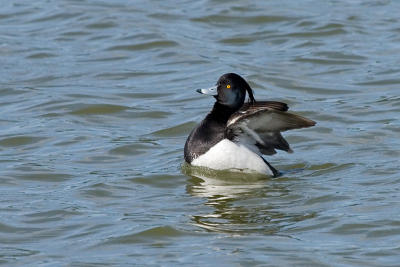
(208, 133)
(202, 138)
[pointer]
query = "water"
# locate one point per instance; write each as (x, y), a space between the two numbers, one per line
(96, 101)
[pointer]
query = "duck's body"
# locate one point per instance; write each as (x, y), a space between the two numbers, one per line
(209, 146)
(234, 135)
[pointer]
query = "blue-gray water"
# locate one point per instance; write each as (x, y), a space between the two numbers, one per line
(96, 101)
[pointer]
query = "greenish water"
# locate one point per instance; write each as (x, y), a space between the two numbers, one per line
(96, 101)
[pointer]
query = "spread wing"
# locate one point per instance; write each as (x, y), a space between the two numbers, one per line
(258, 126)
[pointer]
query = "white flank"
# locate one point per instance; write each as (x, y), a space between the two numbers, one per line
(227, 155)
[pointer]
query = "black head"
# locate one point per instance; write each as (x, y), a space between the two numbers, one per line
(230, 91)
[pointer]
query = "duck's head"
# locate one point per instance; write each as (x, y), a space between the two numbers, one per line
(230, 90)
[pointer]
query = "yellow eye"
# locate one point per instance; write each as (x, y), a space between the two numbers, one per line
(228, 86)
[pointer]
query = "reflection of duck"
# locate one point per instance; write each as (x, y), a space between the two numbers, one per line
(241, 203)
(234, 135)
(222, 184)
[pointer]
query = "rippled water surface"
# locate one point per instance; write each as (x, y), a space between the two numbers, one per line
(96, 101)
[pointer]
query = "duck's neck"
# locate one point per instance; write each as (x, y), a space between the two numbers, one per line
(221, 113)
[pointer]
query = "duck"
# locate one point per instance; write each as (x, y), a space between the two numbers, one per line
(235, 135)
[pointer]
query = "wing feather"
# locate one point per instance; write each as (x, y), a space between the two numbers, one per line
(259, 125)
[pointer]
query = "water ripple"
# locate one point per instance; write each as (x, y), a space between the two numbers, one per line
(97, 98)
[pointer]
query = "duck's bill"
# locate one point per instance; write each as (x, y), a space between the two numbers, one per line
(209, 91)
